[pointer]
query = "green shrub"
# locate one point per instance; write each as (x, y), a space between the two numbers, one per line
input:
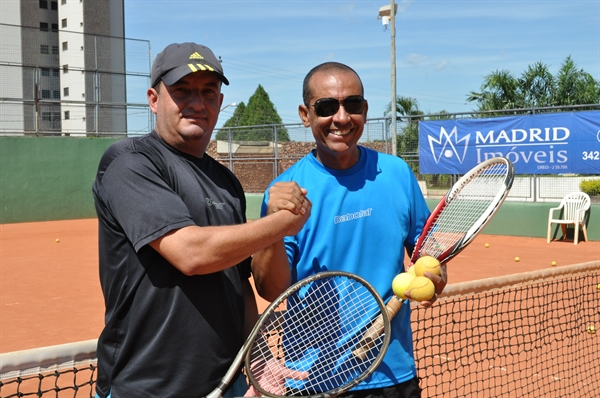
(591, 187)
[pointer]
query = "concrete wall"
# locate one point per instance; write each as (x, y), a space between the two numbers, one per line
(513, 218)
(531, 219)
(50, 178)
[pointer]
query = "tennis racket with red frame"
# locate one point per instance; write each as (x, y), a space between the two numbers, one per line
(459, 217)
(465, 210)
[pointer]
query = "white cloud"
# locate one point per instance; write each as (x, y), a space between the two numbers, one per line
(416, 59)
(442, 64)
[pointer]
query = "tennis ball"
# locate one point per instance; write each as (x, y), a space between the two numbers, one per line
(487, 245)
(598, 286)
(57, 240)
(411, 270)
(553, 263)
(400, 284)
(427, 264)
(517, 259)
(591, 329)
(421, 288)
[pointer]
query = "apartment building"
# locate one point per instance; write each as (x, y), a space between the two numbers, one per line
(62, 67)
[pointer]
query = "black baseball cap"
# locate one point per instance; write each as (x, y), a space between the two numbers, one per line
(180, 59)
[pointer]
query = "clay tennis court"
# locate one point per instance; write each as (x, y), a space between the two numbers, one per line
(50, 291)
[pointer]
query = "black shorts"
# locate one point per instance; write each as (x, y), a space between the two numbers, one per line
(408, 389)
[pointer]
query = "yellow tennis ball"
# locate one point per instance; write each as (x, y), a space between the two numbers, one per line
(421, 288)
(411, 270)
(427, 264)
(591, 329)
(553, 263)
(487, 245)
(517, 259)
(57, 240)
(400, 284)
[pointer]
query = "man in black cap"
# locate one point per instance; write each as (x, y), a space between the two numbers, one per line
(175, 249)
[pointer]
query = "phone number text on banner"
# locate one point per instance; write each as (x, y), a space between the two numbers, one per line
(557, 143)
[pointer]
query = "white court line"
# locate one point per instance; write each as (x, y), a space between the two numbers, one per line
(499, 367)
(448, 359)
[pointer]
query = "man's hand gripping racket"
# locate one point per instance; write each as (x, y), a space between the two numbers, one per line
(302, 344)
(459, 217)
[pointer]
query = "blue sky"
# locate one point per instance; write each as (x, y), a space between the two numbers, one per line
(444, 48)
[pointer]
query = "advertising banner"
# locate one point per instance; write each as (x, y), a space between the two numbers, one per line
(556, 143)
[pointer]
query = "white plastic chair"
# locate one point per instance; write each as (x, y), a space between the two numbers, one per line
(574, 206)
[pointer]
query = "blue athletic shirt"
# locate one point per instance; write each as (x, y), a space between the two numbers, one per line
(362, 220)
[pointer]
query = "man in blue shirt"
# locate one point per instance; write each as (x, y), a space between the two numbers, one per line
(367, 209)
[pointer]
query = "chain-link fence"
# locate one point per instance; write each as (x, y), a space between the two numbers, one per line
(257, 154)
(73, 84)
(70, 83)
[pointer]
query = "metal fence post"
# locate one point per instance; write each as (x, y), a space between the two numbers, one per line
(230, 148)
(275, 152)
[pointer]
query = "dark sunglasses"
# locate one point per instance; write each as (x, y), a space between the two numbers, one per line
(354, 104)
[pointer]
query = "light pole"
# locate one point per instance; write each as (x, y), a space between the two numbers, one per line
(387, 16)
(226, 106)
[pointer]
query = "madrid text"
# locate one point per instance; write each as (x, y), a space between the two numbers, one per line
(519, 143)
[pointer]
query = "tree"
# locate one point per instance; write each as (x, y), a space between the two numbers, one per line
(233, 121)
(441, 115)
(575, 86)
(237, 115)
(408, 138)
(537, 88)
(498, 91)
(259, 112)
(405, 106)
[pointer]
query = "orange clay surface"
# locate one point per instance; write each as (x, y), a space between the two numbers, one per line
(50, 291)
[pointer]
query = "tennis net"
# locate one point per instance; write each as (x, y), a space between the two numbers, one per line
(523, 335)
(66, 370)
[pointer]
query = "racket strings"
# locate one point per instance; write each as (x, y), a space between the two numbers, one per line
(465, 209)
(310, 350)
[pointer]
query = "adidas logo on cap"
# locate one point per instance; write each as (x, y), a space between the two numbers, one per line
(196, 56)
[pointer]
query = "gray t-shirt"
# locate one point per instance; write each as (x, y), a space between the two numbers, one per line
(166, 334)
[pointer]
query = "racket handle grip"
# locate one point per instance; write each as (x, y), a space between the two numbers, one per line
(373, 333)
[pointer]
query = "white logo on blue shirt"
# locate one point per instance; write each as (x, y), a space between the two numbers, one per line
(352, 216)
